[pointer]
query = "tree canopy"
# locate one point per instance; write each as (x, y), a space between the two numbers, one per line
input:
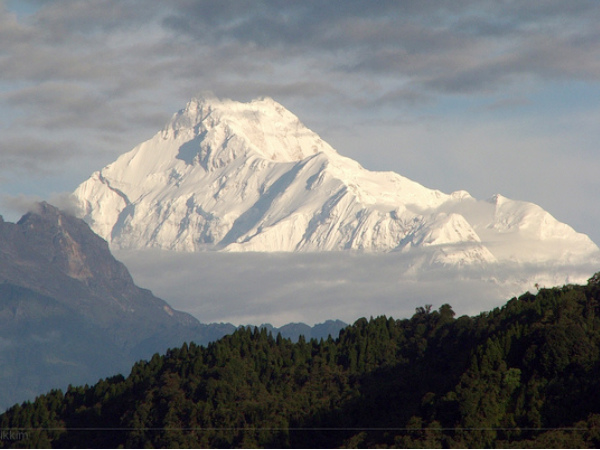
(524, 375)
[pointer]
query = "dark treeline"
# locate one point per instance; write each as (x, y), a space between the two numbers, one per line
(524, 375)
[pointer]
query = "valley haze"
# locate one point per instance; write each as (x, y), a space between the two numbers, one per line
(279, 288)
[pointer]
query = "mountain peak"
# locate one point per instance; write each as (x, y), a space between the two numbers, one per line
(211, 101)
(70, 312)
(68, 243)
(234, 176)
(221, 130)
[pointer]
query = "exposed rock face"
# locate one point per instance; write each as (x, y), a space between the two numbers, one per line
(58, 255)
(69, 312)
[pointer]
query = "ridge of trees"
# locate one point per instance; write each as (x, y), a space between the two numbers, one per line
(525, 375)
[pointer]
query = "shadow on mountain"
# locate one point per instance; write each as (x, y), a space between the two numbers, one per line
(189, 152)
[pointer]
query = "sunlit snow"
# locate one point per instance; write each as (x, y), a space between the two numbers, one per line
(224, 176)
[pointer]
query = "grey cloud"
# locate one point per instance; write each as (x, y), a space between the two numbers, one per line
(569, 57)
(66, 202)
(302, 27)
(21, 203)
(274, 288)
(436, 44)
(31, 155)
(449, 47)
(292, 26)
(61, 21)
(37, 62)
(57, 104)
(10, 28)
(68, 108)
(312, 91)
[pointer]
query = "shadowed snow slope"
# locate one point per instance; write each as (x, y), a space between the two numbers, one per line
(230, 176)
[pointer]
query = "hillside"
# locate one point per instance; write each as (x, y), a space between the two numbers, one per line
(524, 375)
(70, 313)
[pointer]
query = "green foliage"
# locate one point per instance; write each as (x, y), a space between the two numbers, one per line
(525, 375)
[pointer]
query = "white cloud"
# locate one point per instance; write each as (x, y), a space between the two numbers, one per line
(254, 288)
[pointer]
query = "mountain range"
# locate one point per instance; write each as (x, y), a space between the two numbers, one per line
(230, 176)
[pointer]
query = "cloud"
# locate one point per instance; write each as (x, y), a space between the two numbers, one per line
(100, 52)
(468, 47)
(32, 155)
(465, 47)
(17, 205)
(65, 201)
(255, 288)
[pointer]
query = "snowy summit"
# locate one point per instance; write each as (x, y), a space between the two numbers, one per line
(230, 176)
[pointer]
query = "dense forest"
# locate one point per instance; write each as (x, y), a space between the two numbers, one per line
(524, 375)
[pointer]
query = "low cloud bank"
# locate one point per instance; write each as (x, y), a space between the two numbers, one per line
(278, 288)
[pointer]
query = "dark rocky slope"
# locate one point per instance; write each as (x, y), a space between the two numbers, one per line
(70, 313)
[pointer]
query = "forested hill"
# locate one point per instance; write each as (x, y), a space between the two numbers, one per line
(524, 375)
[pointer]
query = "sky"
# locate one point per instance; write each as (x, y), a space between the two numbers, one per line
(486, 96)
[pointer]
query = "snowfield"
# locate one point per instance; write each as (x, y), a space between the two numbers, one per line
(236, 177)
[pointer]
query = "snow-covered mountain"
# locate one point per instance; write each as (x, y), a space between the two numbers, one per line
(230, 176)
